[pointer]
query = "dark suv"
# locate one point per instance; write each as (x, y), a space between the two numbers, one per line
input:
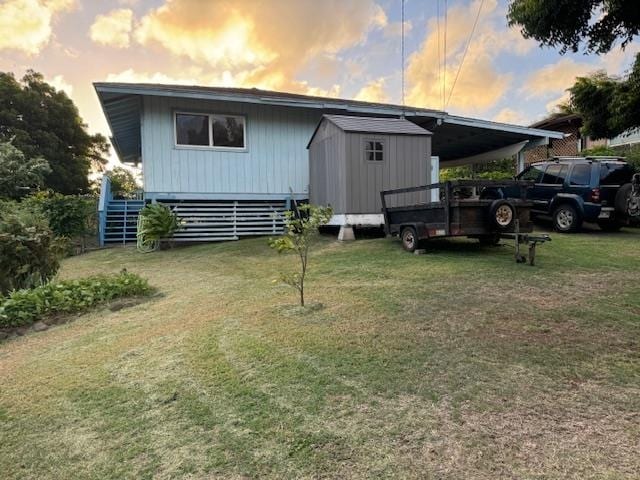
(576, 189)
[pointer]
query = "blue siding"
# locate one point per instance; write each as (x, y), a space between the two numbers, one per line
(276, 158)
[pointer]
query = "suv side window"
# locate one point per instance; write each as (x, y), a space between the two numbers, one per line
(615, 173)
(581, 174)
(555, 174)
(532, 174)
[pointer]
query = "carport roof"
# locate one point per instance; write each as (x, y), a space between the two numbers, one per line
(454, 137)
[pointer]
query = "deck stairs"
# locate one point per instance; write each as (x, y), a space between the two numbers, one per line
(121, 221)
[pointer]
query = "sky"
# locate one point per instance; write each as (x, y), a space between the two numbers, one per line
(338, 48)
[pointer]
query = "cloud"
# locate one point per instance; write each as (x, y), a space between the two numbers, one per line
(259, 45)
(555, 77)
(374, 91)
(131, 76)
(59, 83)
(480, 85)
(394, 29)
(26, 25)
(508, 115)
(113, 28)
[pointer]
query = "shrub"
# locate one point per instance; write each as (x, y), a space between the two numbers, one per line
(29, 251)
(24, 307)
(157, 222)
(70, 216)
(20, 175)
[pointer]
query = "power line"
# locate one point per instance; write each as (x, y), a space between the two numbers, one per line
(439, 56)
(402, 55)
(475, 23)
(444, 75)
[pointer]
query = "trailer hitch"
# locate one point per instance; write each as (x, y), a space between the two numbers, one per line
(525, 238)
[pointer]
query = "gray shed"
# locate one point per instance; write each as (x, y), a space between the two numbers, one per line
(351, 159)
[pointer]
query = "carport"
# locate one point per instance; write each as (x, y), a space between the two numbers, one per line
(463, 141)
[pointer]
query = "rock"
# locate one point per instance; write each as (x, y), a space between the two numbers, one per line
(40, 326)
(3, 335)
(21, 330)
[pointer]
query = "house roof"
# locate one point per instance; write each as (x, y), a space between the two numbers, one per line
(556, 120)
(454, 136)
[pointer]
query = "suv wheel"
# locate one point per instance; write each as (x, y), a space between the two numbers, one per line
(409, 239)
(566, 219)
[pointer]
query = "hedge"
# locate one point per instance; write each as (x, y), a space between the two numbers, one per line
(24, 307)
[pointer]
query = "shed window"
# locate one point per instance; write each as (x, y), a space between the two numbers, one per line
(210, 130)
(374, 150)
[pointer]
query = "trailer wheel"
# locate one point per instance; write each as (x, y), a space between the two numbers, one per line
(409, 239)
(502, 214)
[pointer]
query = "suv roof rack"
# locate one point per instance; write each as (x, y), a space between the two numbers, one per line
(587, 157)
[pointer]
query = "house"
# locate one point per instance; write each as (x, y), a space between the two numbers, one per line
(352, 159)
(572, 143)
(229, 160)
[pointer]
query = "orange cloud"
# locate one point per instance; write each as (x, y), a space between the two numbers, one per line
(508, 115)
(257, 44)
(555, 77)
(113, 28)
(26, 25)
(480, 85)
(374, 91)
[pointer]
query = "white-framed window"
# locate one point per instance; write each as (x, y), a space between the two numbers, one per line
(210, 130)
(373, 150)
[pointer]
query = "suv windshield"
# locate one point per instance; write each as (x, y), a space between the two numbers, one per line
(615, 173)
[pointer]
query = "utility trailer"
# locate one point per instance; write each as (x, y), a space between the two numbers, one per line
(462, 208)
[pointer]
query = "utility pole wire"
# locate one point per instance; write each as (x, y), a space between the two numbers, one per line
(439, 55)
(402, 55)
(464, 55)
(444, 78)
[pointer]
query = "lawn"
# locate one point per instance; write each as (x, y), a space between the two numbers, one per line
(454, 364)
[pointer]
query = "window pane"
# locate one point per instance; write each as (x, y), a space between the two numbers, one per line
(369, 146)
(532, 174)
(615, 173)
(228, 131)
(379, 146)
(370, 155)
(551, 175)
(379, 156)
(192, 129)
(581, 174)
(562, 175)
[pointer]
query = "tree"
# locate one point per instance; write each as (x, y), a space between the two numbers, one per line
(43, 122)
(123, 182)
(566, 24)
(608, 105)
(20, 175)
(301, 228)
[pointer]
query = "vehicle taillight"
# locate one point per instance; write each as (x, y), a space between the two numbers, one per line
(595, 195)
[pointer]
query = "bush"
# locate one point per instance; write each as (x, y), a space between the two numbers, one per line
(70, 216)
(631, 153)
(157, 222)
(24, 307)
(29, 251)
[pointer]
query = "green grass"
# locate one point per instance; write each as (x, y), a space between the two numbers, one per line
(454, 364)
